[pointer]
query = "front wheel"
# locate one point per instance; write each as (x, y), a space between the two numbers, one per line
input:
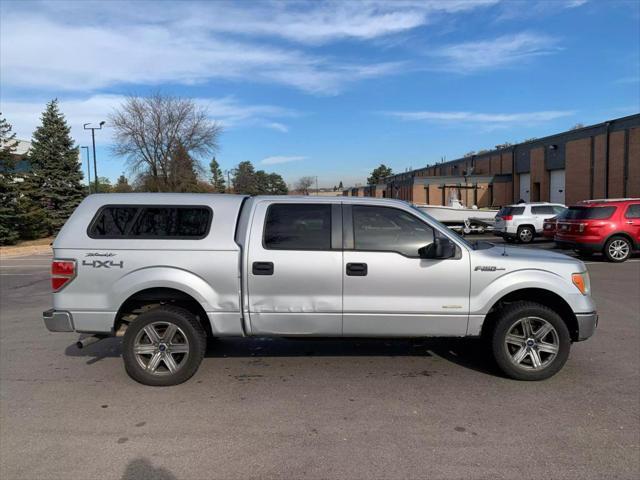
(617, 249)
(163, 346)
(530, 341)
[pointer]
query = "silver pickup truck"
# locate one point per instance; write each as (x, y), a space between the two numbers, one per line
(166, 271)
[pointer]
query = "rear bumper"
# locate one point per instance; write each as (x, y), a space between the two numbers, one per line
(587, 323)
(58, 321)
(580, 246)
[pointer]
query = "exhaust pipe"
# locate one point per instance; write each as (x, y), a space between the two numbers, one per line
(85, 342)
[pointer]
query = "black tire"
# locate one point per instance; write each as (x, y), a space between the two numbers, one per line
(508, 318)
(526, 234)
(612, 255)
(188, 329)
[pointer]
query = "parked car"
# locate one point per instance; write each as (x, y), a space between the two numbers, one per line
(522, 222)
(168, 271)
(549, 225)
(610, 227)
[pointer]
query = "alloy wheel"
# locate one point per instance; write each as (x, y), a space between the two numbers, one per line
(618, 249)
(161, 348)
(532, 343)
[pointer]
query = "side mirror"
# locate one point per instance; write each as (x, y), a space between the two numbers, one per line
(441, 248)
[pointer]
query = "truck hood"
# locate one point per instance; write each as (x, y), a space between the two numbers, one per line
(516, 258)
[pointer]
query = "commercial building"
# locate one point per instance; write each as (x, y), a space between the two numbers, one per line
(598, 161)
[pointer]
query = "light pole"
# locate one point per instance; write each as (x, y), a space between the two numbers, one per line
(88, 168)
(95, 163)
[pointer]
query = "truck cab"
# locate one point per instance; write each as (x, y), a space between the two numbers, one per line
(166, 271)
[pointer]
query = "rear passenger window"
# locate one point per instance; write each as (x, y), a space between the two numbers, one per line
(167, 222)
(113, 222)
(633, 211)
(298, 227)
(543, 210)
(162, 222)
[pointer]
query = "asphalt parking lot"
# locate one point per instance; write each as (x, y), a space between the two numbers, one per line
(317, 409)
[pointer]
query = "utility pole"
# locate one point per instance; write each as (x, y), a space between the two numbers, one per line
(88, 169)
(95, 163)
(228, 173)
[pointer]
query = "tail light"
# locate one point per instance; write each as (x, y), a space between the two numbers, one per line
(507, 217)
(62, 272)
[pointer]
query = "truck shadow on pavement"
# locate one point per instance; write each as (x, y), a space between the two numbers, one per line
(468, 353)
(141, 468)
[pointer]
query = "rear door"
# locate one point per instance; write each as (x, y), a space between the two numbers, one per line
(294, 269)
(632, 221)
(388, 289)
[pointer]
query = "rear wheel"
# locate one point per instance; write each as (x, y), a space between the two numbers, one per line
(530, 341)
(617, 249)
(526, 234)
(163, 346)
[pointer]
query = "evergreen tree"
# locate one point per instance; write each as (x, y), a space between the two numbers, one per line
(217, 178)
(379, 174)
(276, 185)
(182, 171)
(55, 183)
(9, 194)
(244, 179)
(122, 185)
(340, 187)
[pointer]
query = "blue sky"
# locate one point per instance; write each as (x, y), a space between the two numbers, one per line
(329, 89)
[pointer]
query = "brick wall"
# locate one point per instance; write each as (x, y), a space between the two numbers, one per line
(633, 180)
(599, 166)
(577, 168)
(616, 164)
(540, 176)
(482, 166)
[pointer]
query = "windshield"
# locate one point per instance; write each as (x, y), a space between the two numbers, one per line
(453, 233)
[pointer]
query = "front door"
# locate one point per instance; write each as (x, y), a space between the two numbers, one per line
(525, 187)
(556, 186)
(388, 289)
(295, 269)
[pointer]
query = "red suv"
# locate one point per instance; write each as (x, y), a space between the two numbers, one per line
(611, 227)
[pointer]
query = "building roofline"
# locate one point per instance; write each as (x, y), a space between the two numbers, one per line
(541, 140)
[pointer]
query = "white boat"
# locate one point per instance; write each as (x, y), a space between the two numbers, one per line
(457, 214)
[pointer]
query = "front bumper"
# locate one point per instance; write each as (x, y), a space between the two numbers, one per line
(587, 323)
(58, 321)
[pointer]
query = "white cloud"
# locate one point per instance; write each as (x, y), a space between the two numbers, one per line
(278, 159)
(498, 52)
(25, 116)
(490, 119)
(79, 46)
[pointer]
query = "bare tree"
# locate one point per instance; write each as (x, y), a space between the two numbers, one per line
(303, 185)
(149, 129)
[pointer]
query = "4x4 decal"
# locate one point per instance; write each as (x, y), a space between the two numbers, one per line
(102, 263)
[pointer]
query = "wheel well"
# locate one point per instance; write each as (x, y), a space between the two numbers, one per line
(145, 300)
(625, 235)
(538, 295)
(527, 225)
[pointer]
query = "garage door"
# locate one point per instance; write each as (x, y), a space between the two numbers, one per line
(556, 186)
(525, 186)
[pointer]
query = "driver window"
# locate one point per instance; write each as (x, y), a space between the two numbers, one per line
(390, 230)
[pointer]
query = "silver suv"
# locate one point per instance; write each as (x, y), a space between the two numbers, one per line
(168, 271)
(522, 222)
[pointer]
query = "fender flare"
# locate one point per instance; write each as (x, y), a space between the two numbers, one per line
(164, 277)
(520, 280)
